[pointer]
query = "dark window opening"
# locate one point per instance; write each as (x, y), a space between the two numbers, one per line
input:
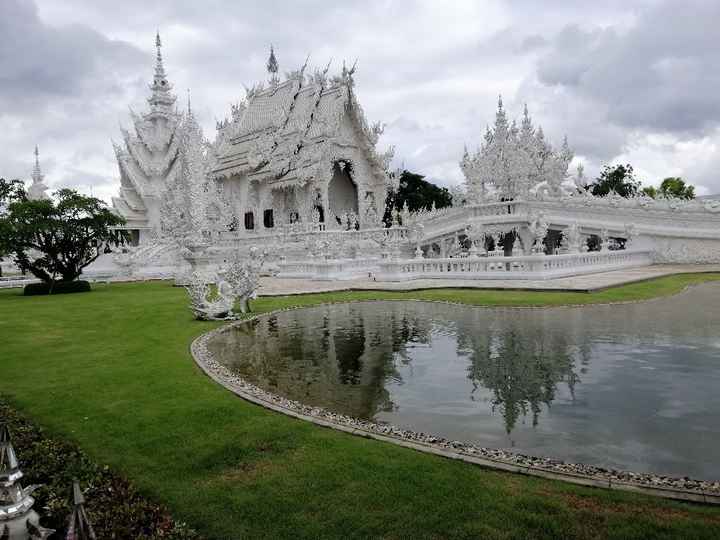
(268, 219)
(249, 220)
(321, 212)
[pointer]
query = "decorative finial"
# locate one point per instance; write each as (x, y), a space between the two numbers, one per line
(80, 527)
(189, 108)
(272, 63)
(37, 175)
(161, 99)
(158, 45)
(18, 519)
(500, 103)
(273, 68)
(159, 68)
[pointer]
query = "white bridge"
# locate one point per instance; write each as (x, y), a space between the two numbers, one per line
(534, 239)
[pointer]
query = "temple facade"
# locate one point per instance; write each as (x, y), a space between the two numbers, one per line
(295, 151)
(301, 151)
(294, 170)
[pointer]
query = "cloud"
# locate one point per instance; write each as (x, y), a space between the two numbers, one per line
(611, 75)
(41, 63)
(661, 74)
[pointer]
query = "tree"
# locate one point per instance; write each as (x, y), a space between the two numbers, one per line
(671, 187)
(418, 193)
(650, 191)
(9, 190)
(619, 179)
(51, 239)
(674, 186)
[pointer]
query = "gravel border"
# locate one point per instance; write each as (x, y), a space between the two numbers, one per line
(662, 486)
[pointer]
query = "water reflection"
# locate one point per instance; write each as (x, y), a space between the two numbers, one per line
(521, 369)
(345, 357)
(629, 386)
(341, 358)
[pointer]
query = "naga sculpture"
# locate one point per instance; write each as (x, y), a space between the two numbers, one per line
(214, 298)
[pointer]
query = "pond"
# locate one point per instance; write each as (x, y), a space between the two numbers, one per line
(630, 386)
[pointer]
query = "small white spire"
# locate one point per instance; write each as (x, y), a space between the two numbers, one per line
(158, 46)
(37, 175)
(161, 99)
(272, 67)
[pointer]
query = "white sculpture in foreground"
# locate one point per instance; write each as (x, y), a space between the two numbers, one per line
(214, 297)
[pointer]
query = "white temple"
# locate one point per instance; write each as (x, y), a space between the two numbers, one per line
(294, 170)
(297, 151)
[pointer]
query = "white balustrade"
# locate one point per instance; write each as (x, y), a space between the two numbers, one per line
(522, 267)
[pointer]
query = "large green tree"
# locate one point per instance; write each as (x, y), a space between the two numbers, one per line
(674, 186)
(9, 190)
(417, 192)
(55, 240)
(617, 178)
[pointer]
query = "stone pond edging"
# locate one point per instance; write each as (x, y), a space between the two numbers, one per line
(660, 486)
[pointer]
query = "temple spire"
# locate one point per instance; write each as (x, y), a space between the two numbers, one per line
(272, 67)
(37, 189)
(159, 67)
(161, 99)
(37, 175)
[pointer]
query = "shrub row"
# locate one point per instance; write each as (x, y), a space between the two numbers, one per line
(115, 508)
(59, 287)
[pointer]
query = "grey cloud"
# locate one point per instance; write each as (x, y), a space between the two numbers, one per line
(77, 178)
(660, 74)
(40, 62)
(432, 72)
(531, 43)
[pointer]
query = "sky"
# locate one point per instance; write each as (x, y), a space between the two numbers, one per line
(628, 81)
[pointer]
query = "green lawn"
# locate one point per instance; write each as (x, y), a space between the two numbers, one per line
(111, 371)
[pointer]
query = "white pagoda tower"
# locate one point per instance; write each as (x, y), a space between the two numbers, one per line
(38, 188)
(148, 159)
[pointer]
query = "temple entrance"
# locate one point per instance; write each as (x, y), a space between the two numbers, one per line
(342, 192)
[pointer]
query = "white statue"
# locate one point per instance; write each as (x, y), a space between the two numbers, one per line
(538, 229)
(215, 298)
(573, 237)
(210, 303)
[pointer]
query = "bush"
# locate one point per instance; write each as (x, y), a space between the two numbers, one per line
(59, 287)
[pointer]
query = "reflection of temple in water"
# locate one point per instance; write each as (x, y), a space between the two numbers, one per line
(507, 377)
(343, 357)
(347, 357)
(520, 361)
(338, 358)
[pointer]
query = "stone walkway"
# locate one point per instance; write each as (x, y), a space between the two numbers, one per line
(590, 282)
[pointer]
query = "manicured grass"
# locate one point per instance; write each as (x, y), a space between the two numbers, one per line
(111, 370)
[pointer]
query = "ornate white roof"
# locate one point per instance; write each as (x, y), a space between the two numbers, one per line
(289, 132)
